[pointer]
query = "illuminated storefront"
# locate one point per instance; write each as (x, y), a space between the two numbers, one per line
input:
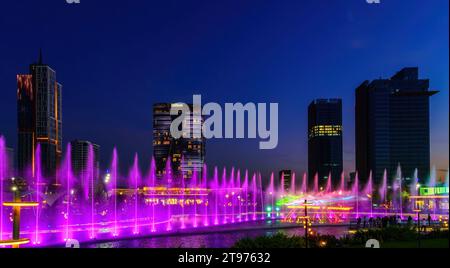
(432, 199)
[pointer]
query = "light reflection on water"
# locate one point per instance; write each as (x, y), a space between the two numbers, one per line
(212, 240)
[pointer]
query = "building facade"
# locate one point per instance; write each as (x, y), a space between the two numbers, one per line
(39, 115)
(186, 154)
(392, 126)
(80, 157)
(325, 140)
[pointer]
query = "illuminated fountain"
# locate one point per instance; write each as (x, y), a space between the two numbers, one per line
(137, 205)
(304, 183)
(38, 180)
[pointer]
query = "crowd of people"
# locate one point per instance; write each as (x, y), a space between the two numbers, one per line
(389, 221)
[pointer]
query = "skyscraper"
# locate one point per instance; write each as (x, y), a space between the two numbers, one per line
(325, 140)
(80, 156)
(392, 126)
(190, 150)
(39, 115)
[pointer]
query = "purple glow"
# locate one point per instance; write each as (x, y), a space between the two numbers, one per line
(135, 204)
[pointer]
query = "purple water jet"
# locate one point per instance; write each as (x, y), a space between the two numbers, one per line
(316, 183)
(342, 186)
(383, 190)
(238, 179)
(224, 195)
(152, 186)
(254, 194)
(246, 194)
(90, 185)
(67, 173)
(233, 193)
(272, 195)
(114, 194)
(216, 195)
(38, 179)
(135, 177)
(168, 175)
(304, 183)
(355, 192)
(293, 189)
(205, 201)
(261, 195)
(368, 191)
(328, 188)
(183, 187)
(194, 186)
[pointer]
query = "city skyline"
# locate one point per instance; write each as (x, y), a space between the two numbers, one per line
(99, 123)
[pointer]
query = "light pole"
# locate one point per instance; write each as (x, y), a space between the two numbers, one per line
(307, 224)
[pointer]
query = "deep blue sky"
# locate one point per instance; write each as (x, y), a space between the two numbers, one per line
(116, 58)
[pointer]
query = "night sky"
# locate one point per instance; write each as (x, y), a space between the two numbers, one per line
(116, 58)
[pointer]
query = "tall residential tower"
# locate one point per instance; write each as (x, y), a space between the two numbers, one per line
(325, 140)
(39, 115)
(186, 154)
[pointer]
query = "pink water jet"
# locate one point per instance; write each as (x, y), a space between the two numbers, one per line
(293, 189)
(261, 195)
(224, 196)
(135, 177)
(168, 175)
(233, 194)
(67, 173)
(272, 195)
(368, 191)
(246, 194)
(38, 180)
(254, 194)
(238, 179)
(216, 195)
(328, 187)
(194, 186)
(91, 187)
(205, 185)
(355, 192)
(304, 183)
(115, 180)
(183, 187)
(316, 183)
(152, 186)
(342, 186)
(383, 190)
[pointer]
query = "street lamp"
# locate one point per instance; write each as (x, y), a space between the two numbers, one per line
(306, 223)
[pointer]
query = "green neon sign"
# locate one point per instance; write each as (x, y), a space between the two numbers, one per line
(424, 191)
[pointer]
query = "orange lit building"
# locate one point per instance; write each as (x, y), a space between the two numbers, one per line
(39, 116)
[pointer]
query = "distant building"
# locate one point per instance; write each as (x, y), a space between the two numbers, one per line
(285, 177)
(190, 150)
(392, 126)
(39, 115)
(80, 155)
(325, 140)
